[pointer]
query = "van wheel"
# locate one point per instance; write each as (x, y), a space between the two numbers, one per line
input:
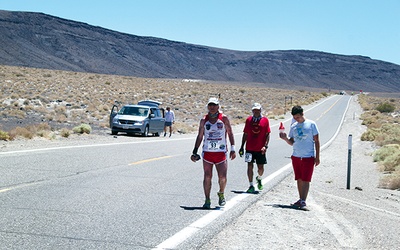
(113, 132)
(146, 131)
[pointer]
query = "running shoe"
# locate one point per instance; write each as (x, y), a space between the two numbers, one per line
(299, 204)
(207, 204)
(221, 199)
(259, 183)
(251, 189)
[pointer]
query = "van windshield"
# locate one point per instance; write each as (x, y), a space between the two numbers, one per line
(136, 111)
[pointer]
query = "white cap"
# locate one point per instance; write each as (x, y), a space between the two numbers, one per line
(256, 105)
(213, 100)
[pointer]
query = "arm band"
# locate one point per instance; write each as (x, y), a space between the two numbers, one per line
(233, 148)
(195, 151)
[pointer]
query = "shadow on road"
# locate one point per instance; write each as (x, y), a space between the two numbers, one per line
(200, 208)
(287, 207)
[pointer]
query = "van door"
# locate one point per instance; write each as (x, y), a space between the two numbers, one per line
(113, 113)
(156, 121)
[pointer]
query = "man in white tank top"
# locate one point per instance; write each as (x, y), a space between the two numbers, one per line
(213, 129)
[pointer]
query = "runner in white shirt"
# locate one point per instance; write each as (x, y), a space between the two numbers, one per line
(214, 128)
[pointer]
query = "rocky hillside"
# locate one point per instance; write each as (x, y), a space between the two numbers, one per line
(43, 41)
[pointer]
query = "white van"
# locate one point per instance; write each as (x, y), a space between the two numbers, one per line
(142, 118)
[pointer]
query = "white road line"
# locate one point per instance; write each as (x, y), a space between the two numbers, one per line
(90, 146)
(361, 205)
(354, 240)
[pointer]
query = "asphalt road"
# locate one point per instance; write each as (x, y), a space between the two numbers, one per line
(140, 194)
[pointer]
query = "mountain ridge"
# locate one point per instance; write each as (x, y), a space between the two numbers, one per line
(39, 40)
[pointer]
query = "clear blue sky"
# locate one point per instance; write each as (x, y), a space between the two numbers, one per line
(349, 27)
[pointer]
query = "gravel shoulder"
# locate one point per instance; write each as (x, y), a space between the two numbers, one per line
(362, 217)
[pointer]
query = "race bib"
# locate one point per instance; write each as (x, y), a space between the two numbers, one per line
(248, 157)
(215, 145)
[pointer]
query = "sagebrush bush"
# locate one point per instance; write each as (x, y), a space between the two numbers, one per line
(82, 129)
(385, 107)
(65, 132)
(369, 135)
(20, 132)
(389, 134)
(4, 136)
(390, 182)
(388, 156)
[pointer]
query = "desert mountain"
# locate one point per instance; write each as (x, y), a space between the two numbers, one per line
(43, 41)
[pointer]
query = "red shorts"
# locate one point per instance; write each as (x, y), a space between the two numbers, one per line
(303, 168)
(214, 157)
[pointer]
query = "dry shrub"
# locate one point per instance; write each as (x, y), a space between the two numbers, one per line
(104, 125)
(65, 132)
(43, 126)
(391, 134)
(184, 128)
(385, 107)
(20, 132)
(369, 135)
(390, 182)
(4, 136)
(82, 129)
(61, 118)
(104, 107)
(44, 134)
(17, 113)
(61, 110)
(386, 134)
(388, 156)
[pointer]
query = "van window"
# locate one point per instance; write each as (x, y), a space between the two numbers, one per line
(156, 112)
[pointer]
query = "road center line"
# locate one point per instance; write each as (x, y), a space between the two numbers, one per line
(153, 159)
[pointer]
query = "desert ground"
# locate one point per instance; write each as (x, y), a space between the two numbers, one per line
(64, 99)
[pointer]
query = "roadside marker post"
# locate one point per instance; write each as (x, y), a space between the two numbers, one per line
(349, 161)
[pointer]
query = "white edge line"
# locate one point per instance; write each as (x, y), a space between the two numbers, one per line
(88, 146)
(361, 205)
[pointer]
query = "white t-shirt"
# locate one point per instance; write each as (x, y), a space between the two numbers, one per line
(169, 116)
(303, 134)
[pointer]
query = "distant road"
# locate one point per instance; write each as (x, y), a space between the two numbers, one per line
(135, 195)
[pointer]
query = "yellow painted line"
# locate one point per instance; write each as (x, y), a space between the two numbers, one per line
(326, 111)
(152, 159)
(5, 190)
(19, 186)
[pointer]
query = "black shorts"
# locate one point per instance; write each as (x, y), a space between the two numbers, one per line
(257, 157)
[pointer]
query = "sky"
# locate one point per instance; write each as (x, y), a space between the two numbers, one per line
(348, 27)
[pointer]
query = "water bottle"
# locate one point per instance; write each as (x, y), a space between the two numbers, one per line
(281, 129)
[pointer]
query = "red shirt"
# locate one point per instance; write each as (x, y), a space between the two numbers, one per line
(256, 133)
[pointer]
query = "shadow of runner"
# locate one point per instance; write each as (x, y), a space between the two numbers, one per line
(244, 192)
(287, 207)
(200, 208)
